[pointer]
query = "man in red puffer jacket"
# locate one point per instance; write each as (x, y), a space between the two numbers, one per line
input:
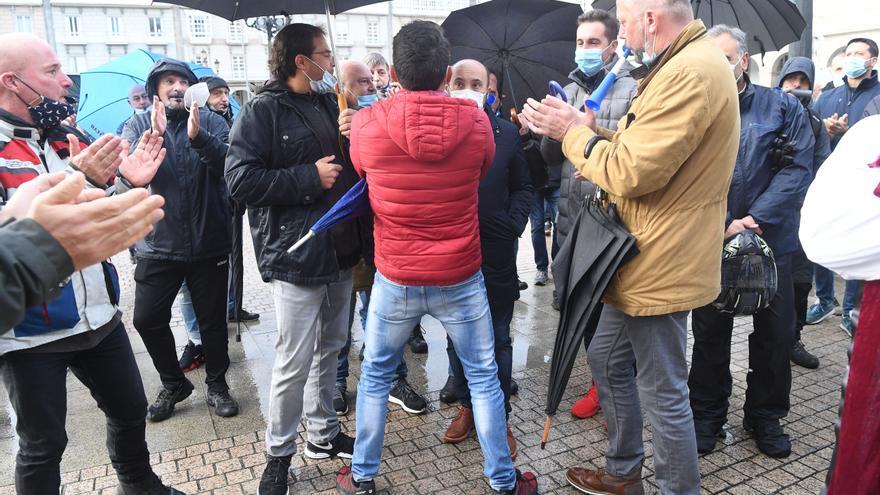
(423, 154)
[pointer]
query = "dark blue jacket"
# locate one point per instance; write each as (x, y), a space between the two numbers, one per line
(197, 223)
(505, 199)
(845, 100)
(772, 198)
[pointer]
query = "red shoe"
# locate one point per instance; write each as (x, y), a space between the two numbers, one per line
(588, 406)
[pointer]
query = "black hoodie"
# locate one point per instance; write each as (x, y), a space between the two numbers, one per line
(822, 148)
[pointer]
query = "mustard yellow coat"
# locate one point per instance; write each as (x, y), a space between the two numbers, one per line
(668, 168)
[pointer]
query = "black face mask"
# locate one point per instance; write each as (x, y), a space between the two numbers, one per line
(46, 112)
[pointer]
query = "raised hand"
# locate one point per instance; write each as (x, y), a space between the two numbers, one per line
(140, 167)
(192, 125)
(99, 160)
(158, 119)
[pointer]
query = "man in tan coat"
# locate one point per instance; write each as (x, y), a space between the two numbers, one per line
(668, 168)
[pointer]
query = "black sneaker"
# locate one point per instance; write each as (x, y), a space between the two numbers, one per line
(417, 341)
(707, 437)
(162, 408)
(274, 480)
(448, 394)
(802, 357)
(404, 396)
(345, 484)
(770, 437)
(522, 285)
(341, 446)
(149, 486)
(514, 387)
(340, 402)
(223, 403)
(192, 357)
(243, 316)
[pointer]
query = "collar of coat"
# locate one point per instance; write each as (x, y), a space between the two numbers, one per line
(692, 32)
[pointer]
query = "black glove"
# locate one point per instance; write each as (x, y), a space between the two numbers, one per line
(781, 152)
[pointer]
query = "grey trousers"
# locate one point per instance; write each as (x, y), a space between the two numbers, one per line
(312, 328)
(657, 346)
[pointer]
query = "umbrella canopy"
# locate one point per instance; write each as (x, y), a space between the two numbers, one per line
(598, 245)
(103, 93)
(769, 24)
(354, 203)
(526, 42)
(244, 9)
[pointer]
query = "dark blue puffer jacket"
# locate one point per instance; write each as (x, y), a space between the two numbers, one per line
(772, 197)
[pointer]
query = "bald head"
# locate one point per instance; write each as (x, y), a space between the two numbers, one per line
(356, 79)
(29, 69)
(469, 74)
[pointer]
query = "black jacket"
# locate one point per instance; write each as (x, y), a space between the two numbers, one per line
(275, 143)
(197, 223)
(505, 199)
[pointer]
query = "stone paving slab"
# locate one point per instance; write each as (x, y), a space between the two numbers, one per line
(198, 452)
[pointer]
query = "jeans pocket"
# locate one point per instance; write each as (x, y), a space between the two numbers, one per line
(465, 301)
(388, 300)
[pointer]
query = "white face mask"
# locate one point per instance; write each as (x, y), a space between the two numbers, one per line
(469, 94)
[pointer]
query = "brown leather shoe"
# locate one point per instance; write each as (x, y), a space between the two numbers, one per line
(461, 427)
(599, 482)
(511, 442)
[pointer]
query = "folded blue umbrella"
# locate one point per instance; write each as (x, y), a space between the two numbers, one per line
(354, 203)
(103, 96)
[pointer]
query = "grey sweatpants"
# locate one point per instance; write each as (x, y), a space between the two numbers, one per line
(312, 328)
(657, 346)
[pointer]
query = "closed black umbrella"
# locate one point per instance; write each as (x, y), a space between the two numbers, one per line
(597, 247)
(526, 42)
(769, 24)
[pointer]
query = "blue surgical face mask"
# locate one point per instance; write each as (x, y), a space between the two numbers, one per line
(367, 100)
(327, 84)
(589, 60)
(648, 58)
(854, 67)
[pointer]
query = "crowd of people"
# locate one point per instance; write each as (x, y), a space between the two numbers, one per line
(690, 150)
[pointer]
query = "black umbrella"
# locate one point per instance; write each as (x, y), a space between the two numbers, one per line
(595, 249)
(526, 42)
(769, 24)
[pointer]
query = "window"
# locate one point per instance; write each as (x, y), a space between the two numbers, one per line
(340, 28)
(115, 26)
(24, 24)
(198, 27)
(372, 32)
(77, 64)
(155, 26)
(73, 26)
(235, 34)
(201, 58)
(238, 71)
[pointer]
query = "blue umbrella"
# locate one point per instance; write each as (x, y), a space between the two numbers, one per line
(103, 96)
(354, 203)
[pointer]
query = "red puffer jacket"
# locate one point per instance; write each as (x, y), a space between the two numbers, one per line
(423, 154)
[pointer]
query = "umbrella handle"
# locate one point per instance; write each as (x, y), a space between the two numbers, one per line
(546, 434)
(301, 241)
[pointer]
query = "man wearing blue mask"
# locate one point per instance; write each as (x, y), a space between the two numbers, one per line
(288, 166)
(595, 55)
(360, 92)
(840, 108)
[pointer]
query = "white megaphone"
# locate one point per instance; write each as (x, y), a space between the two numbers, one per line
(198, 94)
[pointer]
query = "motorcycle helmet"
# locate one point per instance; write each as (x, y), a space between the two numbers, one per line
(748, 275)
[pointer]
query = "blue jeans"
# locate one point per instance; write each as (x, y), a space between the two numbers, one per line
(464, 312)
(825, 290)
(342, 363)
(543, 207)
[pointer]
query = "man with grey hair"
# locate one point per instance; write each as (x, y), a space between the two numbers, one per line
(774, 166)
(667, 168)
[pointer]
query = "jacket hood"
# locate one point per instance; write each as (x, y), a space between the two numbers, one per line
(427, 125)
(167, 65)
(795, 65)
